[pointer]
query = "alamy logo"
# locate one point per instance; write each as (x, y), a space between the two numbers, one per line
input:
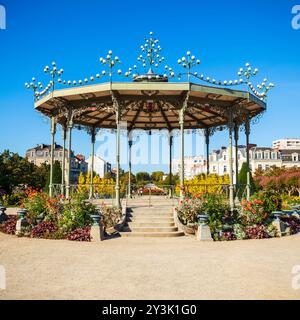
(2, 18)
(296, 277)
(296, 19)
(2, 278)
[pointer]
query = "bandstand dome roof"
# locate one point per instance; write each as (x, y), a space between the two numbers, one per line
(149, 105)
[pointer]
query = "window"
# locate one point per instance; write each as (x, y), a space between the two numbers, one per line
(225, 169)
(259, 155)
(273, 155)
(267, 155)
(259, 167)
(267, 167)
(224, 157)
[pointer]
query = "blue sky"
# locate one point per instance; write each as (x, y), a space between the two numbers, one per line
(223, 34)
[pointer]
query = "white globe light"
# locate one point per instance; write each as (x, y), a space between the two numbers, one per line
(119, 71)
(103, 73)
(110, 52)
(97, 75)
(179, 61)
(183, 59)
(198, 61)
(188, 53)
(247, 64)
(53, 64)
(92, 78)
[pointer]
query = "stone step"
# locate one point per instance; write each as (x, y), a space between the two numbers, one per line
(153, 215)
(152, 234)
(150, 220)
(152, 224)
(153, 229)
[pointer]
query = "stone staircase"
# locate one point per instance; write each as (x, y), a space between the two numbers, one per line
(154, 221)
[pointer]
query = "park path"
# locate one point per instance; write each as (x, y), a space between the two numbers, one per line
(149, 268)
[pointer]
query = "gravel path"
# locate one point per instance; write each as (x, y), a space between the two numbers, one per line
(146, 268)
(124, 268)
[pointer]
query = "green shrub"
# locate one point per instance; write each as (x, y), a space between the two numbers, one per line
(76, 214)
(110, 216)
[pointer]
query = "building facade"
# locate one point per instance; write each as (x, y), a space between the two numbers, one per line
(101, 167)
(42, 154)
(193, 166)
(260, 158)
(288, 143)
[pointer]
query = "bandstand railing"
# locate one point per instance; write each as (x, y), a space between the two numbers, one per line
(96, 192)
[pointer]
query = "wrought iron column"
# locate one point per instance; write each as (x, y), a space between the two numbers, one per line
(118, 122)
(70, 127)
(170, 161)
(129, 160)
(53, 131)
(93, 138)
(63, 161)
(236, 141)
(247, 131)
(230, 127)
(181, 122)
(207, 133)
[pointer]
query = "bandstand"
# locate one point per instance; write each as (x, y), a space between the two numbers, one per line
(153, 100)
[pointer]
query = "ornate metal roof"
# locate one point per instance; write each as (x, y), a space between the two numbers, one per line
(150, 105)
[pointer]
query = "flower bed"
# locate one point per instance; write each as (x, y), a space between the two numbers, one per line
(59, 219)
(253, 220)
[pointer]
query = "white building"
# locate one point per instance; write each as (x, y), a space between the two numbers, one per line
(219, 161)
(101, 167)
(261, 158)
(288, 143)
(193, 166)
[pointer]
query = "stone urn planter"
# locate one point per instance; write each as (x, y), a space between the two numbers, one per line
(21, 220)
(203, 232)
(203, 218)
(3, 215)
(96, 219)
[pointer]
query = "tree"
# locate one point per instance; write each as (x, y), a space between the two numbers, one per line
(242, 178)
(157, 176)
(18, 171)
(125, 178)
(57, 173)
(142, 177)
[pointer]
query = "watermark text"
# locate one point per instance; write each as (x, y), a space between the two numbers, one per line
(296, 18)
(2, 18)
(296, 277)
(2, 278)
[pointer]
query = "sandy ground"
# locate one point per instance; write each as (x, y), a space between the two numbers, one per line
(145, 268)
